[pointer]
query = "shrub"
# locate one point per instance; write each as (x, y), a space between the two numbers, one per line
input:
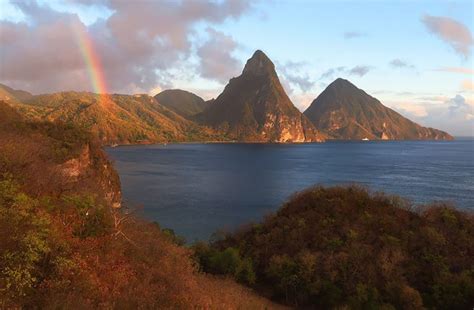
(345, 247)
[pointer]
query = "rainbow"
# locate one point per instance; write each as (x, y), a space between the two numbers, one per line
(92, 61)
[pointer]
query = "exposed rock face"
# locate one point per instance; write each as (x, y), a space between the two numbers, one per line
(346, 112)
(255, 108)
(182, 102)
(94, 171)
(51, 159)
(73, 168)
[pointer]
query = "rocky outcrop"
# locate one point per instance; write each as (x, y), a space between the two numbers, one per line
(255, 108)
(346, 112)
(51, 159)
(74, 168)
(91, 169)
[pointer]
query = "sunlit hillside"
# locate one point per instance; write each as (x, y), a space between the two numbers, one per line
(65, 244)
(116, 119)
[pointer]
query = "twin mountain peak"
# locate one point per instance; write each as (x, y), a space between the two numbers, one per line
(253, 107)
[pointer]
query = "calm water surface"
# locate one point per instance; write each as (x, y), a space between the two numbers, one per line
(197, 189)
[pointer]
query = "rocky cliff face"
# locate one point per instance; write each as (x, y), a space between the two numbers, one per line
(346, 112)
(255, 108)
(91, 170)
(52, 159)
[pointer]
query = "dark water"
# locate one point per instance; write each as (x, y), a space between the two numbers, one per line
(196, 189)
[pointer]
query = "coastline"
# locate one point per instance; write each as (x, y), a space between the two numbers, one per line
(287, 143)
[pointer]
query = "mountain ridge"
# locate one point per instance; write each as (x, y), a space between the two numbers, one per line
(182, 102)
(347, 112)
(254, 107)
(116, 119)
(9, 94)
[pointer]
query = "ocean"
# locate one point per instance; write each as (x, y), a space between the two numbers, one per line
(198, 189)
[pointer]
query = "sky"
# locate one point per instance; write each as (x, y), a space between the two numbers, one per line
(414, 56)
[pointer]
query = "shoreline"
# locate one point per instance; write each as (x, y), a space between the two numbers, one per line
(283, 143)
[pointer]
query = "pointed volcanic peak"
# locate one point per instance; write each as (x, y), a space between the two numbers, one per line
(182, 102)
(259, 64)
(255, 108)
(346, 112)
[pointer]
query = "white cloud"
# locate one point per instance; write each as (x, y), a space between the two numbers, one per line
(456, 34)
(293, 73)
(452, 114)
(467, 85)
(409, 109)
(360, 70)
(215, 57)
(398, 63)
(460, 70)
(137, 44)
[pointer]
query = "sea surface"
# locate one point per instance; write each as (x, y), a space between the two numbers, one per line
(197, 189)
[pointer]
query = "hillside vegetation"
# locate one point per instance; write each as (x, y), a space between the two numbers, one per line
(253, 107)
(65, 245)
(182, 102)
(345, 248)
(121, 119)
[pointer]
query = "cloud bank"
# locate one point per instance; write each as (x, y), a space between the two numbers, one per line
(453, 114)
(137, 44)
(215, 57)
(454, 33)
(360, 70)
(400, 64)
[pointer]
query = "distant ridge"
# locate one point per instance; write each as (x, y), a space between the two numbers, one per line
(182, 102)
(346, 112)
(10, 94)
(255, 108)
(119, 119)
(252, 108)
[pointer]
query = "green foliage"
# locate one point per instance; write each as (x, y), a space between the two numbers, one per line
(345, 247)
(92, 219)
(225, 262)
(244, 272)
(113, 119)
(24, 241)
(176, 239)
(63, 247)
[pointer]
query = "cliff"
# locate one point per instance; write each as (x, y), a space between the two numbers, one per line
(255, 108)
(346, 112)
(55, 158)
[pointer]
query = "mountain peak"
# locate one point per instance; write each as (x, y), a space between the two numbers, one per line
(255, 108)
(340, 82)
(347, 112)
(259, 64)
